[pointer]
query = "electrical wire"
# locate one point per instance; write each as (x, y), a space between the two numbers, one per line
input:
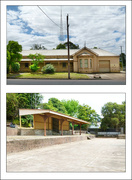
(48, 16)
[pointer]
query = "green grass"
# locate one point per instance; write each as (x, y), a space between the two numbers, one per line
(39, 75)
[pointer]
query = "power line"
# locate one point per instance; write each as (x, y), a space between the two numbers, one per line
(48, 17)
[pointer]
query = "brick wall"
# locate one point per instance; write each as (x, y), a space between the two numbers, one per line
(14, 146)
(31, 132)
(40, 132)
(12, 131)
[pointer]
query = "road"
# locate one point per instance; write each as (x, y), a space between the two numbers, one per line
(64, 82)
(96, 155)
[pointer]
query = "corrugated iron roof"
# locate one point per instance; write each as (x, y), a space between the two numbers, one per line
(56, 52)
(63, 52)
(102, 52)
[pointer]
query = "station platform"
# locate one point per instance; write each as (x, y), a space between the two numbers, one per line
(24, 143)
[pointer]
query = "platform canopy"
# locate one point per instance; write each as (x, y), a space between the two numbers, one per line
(23, 112)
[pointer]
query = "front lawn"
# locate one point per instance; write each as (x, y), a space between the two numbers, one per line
(39, 75)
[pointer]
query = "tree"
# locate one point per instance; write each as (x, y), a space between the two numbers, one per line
(55, 105)
(8, 61)
(71, 45)
(29, 100)
(61, 46)
(16, 67)
(65, 46)
(86, 113)
(16, 101)
(36, 59)
(13, 54)
(113, 116)
(71, 107)
(11, 106)
(123, 58)
(37, 47)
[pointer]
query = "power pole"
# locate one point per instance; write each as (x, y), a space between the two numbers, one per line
(68, 48)
(121, 57)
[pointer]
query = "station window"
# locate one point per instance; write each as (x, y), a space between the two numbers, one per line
(63, 65)
(26, 65)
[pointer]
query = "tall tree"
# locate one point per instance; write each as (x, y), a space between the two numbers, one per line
(60, 46)
(11, 106)
(71, 45)
(64, 46)
(113, 116)
(13, 53)
(37, 47)
(16, 101)
(123, 58)
(55, 105)
(71, 106)
(88, 114)
(29, 100)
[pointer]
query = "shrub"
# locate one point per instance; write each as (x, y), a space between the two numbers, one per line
(16, 121)
(49, 68)
(26, 120)
(15, 67)
(34, 67)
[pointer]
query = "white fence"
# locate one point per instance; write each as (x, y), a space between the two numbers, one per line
(108, 133)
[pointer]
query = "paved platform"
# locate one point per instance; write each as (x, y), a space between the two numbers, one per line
(96, 155)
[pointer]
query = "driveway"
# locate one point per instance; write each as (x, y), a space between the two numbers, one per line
(96, 155)
(110, 76)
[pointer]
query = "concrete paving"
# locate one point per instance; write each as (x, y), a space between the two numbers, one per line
(96, 155)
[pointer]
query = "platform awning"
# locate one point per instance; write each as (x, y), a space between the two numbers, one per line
(23, 112)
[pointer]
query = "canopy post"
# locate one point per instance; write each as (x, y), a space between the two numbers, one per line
(61, 122)
(45, 118)
(33, 122)
(20, 121)
(45, 126)
(73, 128)
(80, 129)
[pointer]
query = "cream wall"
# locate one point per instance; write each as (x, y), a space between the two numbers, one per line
(57, 64)
(75, 64)
(39, 123)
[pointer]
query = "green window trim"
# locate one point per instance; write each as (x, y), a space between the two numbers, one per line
(90, 63)
(86, 63)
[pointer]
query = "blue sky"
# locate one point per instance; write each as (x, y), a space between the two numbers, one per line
(100, 26)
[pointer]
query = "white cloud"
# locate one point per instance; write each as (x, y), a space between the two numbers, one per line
(93, 24)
